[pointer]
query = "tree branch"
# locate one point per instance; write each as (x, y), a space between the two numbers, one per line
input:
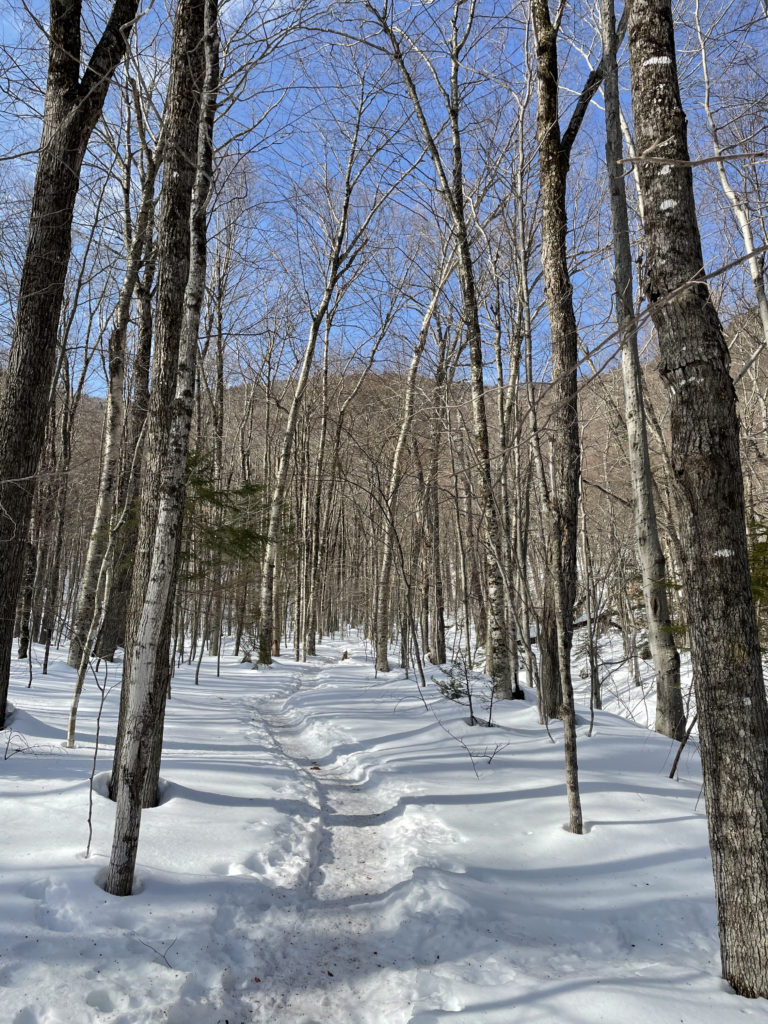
(592, 84)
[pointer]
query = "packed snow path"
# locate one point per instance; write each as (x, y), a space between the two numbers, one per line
(329, 849)
(331, 952)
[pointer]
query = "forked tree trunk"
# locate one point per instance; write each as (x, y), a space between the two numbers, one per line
(725, 650)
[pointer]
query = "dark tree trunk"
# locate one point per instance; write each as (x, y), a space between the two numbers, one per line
(725, 652)
(550, 691)
(173, 259)
(670, 715)
(25, 612)
(564, 497)
(72, 107)
(190, 107)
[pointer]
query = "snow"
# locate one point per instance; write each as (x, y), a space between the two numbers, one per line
(334, 847)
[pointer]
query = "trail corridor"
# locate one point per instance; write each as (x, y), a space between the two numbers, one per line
(330, 848)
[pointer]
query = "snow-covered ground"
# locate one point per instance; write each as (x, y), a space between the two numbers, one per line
(333, 849)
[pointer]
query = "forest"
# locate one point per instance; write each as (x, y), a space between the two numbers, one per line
(437, 326)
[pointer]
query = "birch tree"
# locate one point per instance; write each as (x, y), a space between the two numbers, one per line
(137, 241)
(181, 117)
(447, 160)
(395, 478)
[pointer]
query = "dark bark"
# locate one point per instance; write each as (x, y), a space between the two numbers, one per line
(709, 497)
(181, 116)
(670, 715)
(25, 612)
(72, 108)
(550, 690)
(194, 79)
(564, 496)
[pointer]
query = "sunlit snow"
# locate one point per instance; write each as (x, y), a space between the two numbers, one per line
(332, 849)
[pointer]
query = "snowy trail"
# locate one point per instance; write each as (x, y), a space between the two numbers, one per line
(326, 852)
(325, 946)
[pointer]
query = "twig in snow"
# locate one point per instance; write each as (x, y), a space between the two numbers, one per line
(102, 687)
(683, 742)
(162, 954)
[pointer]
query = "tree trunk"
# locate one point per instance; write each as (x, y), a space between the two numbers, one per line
(670, 715)
(25, 611)
(395, 477)
(108, 478)
(181, 133)
(564, 496)
(725, 652)
(194, 78)
(550, 690)
(72, 108)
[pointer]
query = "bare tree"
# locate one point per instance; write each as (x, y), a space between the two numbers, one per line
(346, 236)
(670, 716)
(452, 187)
(191, 109)
(395, 477)
(138, 239)
(709, 496)
(73, 104)
(554, 158)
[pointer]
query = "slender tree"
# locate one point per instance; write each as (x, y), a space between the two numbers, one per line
(452, 187)
(554, 158)
(181, 116)
(137, 239)
(670, 716)
(195, 77)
